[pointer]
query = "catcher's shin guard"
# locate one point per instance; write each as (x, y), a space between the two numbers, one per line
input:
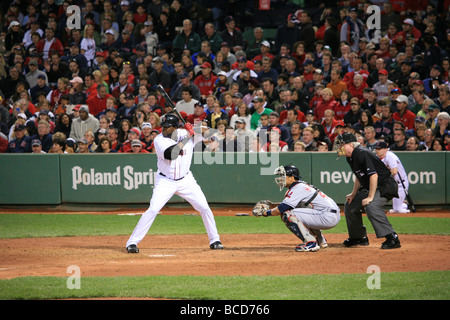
(296, 226)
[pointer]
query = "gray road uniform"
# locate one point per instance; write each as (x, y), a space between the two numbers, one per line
(306, 211)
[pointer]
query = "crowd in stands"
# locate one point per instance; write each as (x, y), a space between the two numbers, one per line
(327, 70)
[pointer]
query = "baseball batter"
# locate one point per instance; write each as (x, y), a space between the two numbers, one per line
(305, 209)
(394, 164)
(174, 148)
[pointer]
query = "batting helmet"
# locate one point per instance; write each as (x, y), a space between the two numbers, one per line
(170, 120)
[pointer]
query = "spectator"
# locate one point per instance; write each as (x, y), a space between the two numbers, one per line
(385, 126)
(242, 113)
(184, 80)
(357, 68)
(352, 117)
(336, 84)
(40, 87)
(137, 147)
(295, 134)
(357, 87)
(59, 143)
(288, 33)
(43, 135)
(244, 136)
(20, 142)
(327, 103)
(308, 139)
(123, 87)
(443, 125)
(198, 115)
(77, 94)
(75, 55)
(271, 94)
(113, 134)
(232, 35)
(258, 104)
(206, 81)
(133, 134)
(382, 86)
(85, 122)
(83, 147)
(274, 118)
(403, 114)
(428, 138)
(329, 122)
(274, 143)
(49, 44)
(438, 145)
(36, 147)
(63, 124)
(34, 73)
(352, 30)
(97, 101)
(105, 146)
(444, 98)
(366, 119)
(299, 147)
(217, 115)
(412, 144)
(188, 102)
(214, 39)
(159, 76)
(54, 96)
(320, 135)
(128, 109)
(187, 39)
(432, 113)
(399, 141)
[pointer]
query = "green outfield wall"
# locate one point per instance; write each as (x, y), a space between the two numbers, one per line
(241, 178)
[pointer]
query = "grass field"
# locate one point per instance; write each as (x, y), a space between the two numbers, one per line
(433, 285)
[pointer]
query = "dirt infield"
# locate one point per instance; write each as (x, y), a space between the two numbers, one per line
(244, 254)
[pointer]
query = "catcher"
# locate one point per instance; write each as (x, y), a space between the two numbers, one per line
(305, 209)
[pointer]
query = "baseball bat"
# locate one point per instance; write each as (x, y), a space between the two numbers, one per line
(408, 197)
(169, 100)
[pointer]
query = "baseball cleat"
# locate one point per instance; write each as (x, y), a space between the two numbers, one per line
(132, 248)
(392, 242)
(311, 246)
(350, 242)
(322, 242)
(216, 246)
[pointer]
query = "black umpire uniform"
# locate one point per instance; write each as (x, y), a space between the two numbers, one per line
(364, 163)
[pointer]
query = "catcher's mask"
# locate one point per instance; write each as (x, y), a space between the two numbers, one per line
(342, 140)
(284, 171)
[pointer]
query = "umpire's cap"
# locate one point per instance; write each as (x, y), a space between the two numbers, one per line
(170, 120)
(346, 137)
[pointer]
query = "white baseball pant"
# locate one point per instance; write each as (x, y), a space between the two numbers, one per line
(164, 189)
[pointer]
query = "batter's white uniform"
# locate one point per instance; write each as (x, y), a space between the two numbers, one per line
(174, 177)
(392, 161)
(322, 213)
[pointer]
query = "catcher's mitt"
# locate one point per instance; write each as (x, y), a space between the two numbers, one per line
(261, 207)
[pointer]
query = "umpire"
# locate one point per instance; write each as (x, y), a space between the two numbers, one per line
(373, 188)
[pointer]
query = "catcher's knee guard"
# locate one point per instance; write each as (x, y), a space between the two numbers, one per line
(296, 226)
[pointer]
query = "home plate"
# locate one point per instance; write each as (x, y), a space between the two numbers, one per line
(161, 255)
